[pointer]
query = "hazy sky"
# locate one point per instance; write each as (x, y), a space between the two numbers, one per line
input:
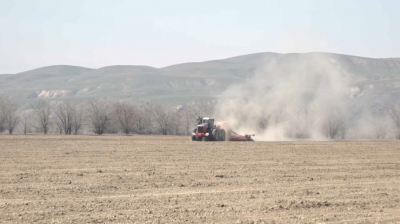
(97, 33)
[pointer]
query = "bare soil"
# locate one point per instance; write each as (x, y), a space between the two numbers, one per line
(161, 179)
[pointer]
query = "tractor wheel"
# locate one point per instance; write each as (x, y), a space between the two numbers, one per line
(194, 138)
(218, 135)
(215, 134)
(222, 134)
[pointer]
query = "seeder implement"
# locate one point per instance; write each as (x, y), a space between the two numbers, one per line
(233, 136)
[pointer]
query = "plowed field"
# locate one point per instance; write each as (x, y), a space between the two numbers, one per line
(161, 179)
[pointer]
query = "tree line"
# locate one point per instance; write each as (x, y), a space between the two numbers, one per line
(99, 117)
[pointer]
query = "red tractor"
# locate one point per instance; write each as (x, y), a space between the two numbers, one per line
(207, 130)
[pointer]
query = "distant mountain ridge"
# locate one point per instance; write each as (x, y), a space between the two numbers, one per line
(183, 83)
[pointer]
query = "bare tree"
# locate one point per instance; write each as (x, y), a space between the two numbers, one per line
(12, 121)
(65, 112)
(144, 118)
(124, 114)
(25, 121)
(166, 120)
(334, 124)
(59, 125)
(99, 113)
(394, 113)
(42, 114)
(141, 121)
(78, 119)
(8, 114)
(176, 126)
(69, 118)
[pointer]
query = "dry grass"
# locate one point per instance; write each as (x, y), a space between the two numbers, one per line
(157, 179)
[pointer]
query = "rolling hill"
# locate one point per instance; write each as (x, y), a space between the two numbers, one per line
(183, 83)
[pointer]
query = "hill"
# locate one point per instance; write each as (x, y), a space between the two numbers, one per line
(182, 83)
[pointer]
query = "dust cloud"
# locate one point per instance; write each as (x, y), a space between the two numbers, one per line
(289, 98)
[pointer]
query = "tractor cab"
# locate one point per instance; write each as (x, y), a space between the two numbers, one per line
(209, 121)
(204, 127)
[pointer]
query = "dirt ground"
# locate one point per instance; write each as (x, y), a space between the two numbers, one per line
(160, 179)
